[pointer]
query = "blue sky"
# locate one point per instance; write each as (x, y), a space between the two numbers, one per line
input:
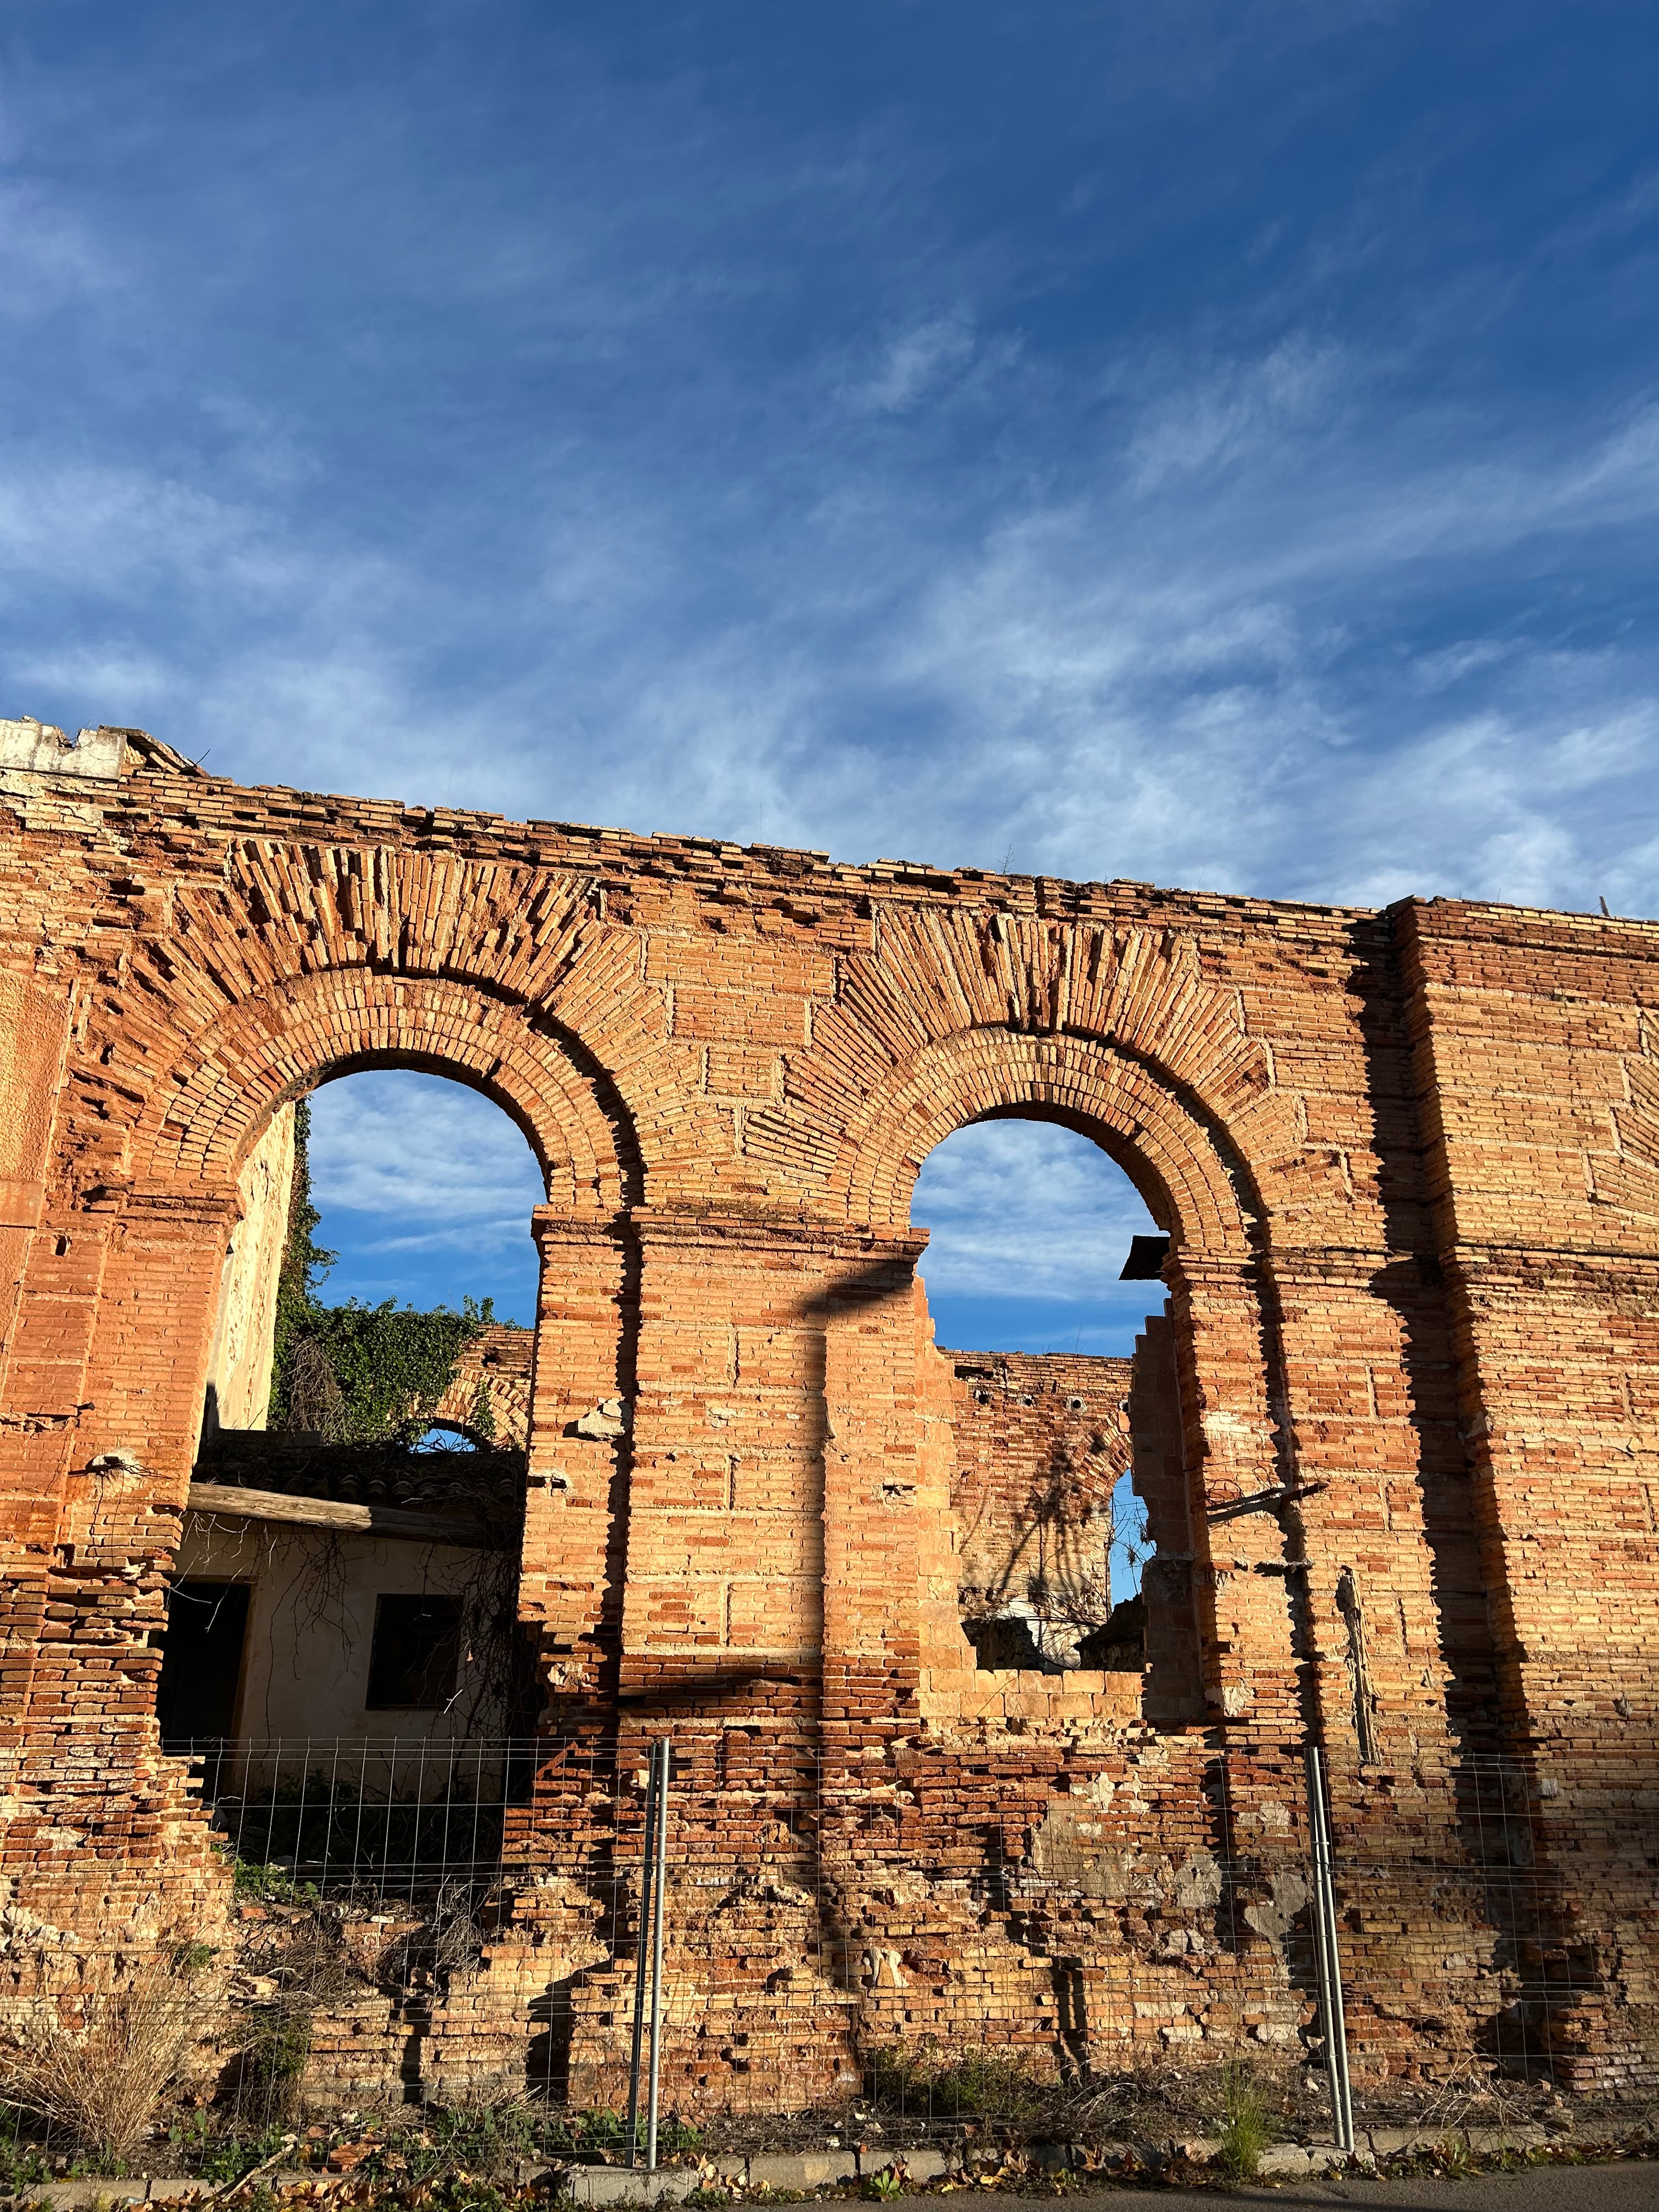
(425, 1189)
(1211, 443)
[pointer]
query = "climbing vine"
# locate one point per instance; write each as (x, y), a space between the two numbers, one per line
(354, 1373)
(304, 1265)
(482, 1418)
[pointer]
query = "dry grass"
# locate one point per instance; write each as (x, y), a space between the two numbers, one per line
(1247, 2127)
(922, 2082)
(102, 2083)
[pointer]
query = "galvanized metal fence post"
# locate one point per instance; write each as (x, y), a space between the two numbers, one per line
(641, 1953)
(1328, 1957)
(656, 1953)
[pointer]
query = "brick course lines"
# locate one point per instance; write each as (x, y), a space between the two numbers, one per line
(1396, 1431)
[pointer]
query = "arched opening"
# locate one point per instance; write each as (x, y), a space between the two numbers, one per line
(448, 1436)
(1068, 1491)
(347, 1572)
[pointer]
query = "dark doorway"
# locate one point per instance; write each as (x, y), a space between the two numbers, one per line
(201, 1661)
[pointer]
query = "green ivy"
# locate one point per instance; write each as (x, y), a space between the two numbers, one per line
(391, 1364)
(482, 1418)
(356, 1373)
(304, 1265)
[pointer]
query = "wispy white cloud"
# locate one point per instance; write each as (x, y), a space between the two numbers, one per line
(1130, 449)
(1038, 1210)
(1029, 1227)
(914, 363)
(1450, 664)
(425, 1188)
(1243, 409)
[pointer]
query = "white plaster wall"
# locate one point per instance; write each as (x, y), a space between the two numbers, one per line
(240, 1369)
(42, 748)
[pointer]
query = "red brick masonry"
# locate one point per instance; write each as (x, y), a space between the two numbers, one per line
(1402, 1418)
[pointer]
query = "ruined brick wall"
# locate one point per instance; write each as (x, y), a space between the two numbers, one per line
(1408, 1164)
(498, 1361)
(1157, 1446)
(1041, 1441)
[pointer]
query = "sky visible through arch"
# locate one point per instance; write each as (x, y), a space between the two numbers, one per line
(1214, 443)
(1030, 1225)
(425, 1188)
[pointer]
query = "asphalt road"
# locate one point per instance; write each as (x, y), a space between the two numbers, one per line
(1632, 2185)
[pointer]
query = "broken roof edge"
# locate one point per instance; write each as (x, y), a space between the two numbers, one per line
(801, 870)
(798, 868)
(104, 753)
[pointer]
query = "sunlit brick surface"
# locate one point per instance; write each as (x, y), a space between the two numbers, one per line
(1399, 1428)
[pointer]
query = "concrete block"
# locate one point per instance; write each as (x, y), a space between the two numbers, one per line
(1284, 2159)
(84, 2194)
(802, 2169)
(1489, 2142)
(805, 2169)
(922, 2164)
(1389, 2143)
(622, 2185)
(1051, 2158)
(1104, 2155)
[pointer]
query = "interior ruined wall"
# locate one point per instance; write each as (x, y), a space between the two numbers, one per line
(311, 1619)
(498, 1361)
(1412, 1293)
(239, 1366)
(1040, 1441)
(1157, 1444)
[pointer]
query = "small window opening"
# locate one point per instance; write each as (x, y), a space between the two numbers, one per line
(416, 1654)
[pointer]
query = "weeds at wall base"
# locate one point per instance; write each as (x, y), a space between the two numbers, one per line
(996, 2121)
(1247, 2129)
(471, 2192)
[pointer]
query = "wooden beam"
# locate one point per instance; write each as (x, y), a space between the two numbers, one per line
(228, 1498)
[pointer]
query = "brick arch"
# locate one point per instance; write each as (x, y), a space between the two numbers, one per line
(236, 1072)
(1173, 1159)
(1226, 1348)
(498, 1361)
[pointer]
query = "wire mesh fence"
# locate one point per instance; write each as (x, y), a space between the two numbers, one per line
(1439, 1892)
(371, 1817)
(1513, 1918)
(920, 1942)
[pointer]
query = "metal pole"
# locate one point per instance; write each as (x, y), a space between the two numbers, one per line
(1337, 2004)
(641, 1950)
(656, 1956)
(1321, 1948)
(1330, 1960)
